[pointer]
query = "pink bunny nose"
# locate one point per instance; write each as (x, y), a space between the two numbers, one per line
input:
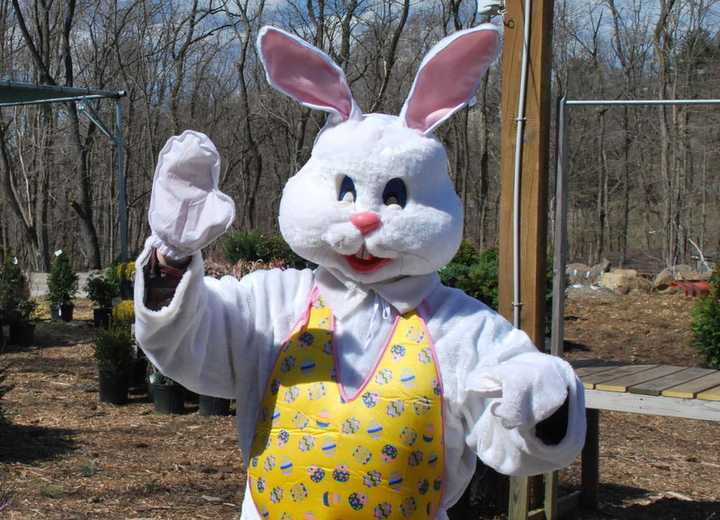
(366, 222)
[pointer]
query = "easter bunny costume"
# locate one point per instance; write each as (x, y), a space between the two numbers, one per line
(365, 388)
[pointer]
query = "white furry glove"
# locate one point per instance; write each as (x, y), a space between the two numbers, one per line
(187, 211)
(528, 388)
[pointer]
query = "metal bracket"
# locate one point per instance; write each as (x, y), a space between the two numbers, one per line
(89, 112)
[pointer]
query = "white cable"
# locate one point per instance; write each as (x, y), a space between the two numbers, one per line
(517, 304)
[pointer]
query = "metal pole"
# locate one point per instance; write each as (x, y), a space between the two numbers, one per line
(93, 116)
(636, 102)
(561, 182)
(51, 100)
(120, 179)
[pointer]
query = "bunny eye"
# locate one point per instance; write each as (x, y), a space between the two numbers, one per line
(395, 193)
(347, 191)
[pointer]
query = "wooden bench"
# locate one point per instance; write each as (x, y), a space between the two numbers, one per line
(665, 390)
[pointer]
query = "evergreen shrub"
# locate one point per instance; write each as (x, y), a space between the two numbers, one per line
(705, 323)
(113, 349)
(62, 281)
(253, 246)
(13, 292)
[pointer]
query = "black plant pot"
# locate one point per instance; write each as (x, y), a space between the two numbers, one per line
(191, 397)
(213, 405)
(62, 312)
(126, 290)
(101, 317)
(22, 333)
(113, 387)
(138, 375)
(169, 399)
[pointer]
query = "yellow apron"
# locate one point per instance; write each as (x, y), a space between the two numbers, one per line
(319, 454)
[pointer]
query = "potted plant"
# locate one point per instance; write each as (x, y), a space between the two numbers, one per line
(125, 275)
(62, 287)
(101, 291)
(15, 304)
(209, 405)
(13, 286)
(22, 330)
(124, 313)
(113, 354)
(168, 396)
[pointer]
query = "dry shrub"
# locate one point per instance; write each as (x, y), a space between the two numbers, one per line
(218, 268)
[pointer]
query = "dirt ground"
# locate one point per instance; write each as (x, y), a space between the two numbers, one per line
(64, 455)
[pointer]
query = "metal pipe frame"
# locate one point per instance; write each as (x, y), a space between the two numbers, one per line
(639, 102)
(561, 197)
(117, 137)
(120, 179)
(71, 91)
(557, 334)
(56, 100)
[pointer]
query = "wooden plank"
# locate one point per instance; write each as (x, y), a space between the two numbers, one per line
(690, 389)
(586, 371)
(713, 394)
(622, 383)
(518, 507)
(590, 467)
(657, 386)
(600, 377)
(653, 405)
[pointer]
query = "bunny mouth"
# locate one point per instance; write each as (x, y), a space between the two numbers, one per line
(364, 262)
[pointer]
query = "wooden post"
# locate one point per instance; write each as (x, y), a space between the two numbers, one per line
(534, 184)
(551, 504)
(590, 474)
(518, 508)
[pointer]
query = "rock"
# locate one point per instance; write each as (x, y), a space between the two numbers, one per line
(577, 274)
(663, 279)
(684, 272)
(581, 274)
(688, 275)
(598, 269)
(619, 280)
(643, 284)
(682, 269)
(590, 292)
(678, 272)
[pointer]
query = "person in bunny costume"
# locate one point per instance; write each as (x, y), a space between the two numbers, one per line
(365, 388)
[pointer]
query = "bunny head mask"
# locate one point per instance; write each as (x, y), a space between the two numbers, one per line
(375, 200)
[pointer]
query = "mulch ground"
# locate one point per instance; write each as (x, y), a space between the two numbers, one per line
(64, 455)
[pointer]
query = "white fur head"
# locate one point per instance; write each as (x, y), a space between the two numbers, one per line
(375, 200)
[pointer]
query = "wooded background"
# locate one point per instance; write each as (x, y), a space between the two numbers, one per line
(644, 181)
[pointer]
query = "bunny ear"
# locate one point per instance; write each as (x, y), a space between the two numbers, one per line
(304, 73)
(449, 76)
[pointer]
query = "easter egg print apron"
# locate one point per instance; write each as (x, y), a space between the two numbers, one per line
(319, 454)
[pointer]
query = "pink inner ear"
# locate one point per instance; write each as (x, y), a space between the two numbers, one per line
(305, 74)
(450, 78)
